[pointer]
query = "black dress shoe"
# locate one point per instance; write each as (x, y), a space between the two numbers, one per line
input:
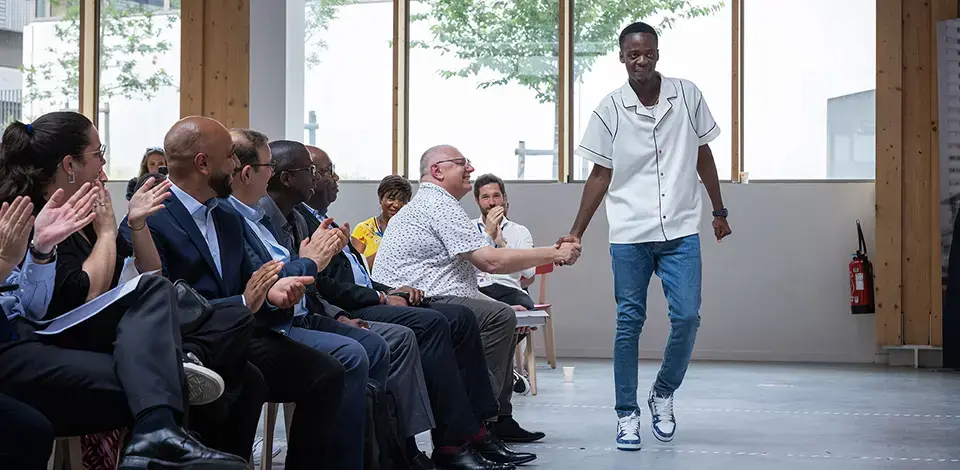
(493, 450)
(465, 458)
(173, 448)
(422, 462)
(509, 430)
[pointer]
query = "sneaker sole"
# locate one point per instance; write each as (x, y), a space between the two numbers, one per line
(205, 385)
(629, 447)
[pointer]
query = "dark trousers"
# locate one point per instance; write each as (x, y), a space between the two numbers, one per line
(453, 365)
(101, 373)
(229, 424)
(26, 437)
(295, 373)
(508, 295)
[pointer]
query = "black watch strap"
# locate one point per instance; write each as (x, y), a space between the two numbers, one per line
(37, 255)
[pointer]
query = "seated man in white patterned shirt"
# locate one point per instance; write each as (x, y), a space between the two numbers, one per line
(501, 232)
(432, 245)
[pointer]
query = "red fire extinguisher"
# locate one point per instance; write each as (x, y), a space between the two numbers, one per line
(861, 278)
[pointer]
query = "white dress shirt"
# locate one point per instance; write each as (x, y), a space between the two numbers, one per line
(202, 214)
(423, 244)
(517, 236)
(655, 191)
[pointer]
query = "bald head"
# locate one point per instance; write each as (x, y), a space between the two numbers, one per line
(436, 154)
(195, 135)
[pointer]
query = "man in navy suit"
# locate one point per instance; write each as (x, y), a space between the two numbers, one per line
(386, 353)
(202, 244)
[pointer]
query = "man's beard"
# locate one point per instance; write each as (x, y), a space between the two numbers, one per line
(221, 184)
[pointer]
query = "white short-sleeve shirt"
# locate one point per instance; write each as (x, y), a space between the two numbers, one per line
(655, 193)
(422, 244)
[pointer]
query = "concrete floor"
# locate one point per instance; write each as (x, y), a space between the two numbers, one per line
(753, 416)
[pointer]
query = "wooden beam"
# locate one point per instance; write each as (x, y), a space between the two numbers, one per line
(565, 103)
(736, 153)
(917, 161)
(889, 183)
(89, 74)
(401, 90)
(215, 75)
(940, 10)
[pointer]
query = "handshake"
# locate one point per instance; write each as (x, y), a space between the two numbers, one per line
(568, 250)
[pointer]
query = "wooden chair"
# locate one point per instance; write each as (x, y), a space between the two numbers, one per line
(269, 423)
(541, 318)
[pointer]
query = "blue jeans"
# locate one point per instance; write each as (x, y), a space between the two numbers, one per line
(677, 264)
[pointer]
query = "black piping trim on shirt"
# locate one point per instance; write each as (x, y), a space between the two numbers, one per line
(659, 186)
(604, 123)
(595, 153)
(711, 130)
(616, 128)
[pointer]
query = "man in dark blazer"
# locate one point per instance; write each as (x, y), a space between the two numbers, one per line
(449, 339)
(203, 245)
(385, 353)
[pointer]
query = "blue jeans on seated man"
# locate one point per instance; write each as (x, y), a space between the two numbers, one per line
(360, 358)
(677, 263)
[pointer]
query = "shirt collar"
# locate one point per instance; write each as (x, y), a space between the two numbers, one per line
(253, 214)
(629, 97)
(315, 212)
(192, 205)
(437, 190)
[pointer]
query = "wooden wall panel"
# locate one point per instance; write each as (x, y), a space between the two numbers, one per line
(940, 10)
(917, 67)
(215, 60)
(889, 180)
(908, 284)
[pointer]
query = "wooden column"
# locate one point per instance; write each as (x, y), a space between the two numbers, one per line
(909, 304)
(215, 60)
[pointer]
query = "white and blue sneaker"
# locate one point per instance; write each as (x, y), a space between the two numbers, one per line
(661, 412)
(628, 432)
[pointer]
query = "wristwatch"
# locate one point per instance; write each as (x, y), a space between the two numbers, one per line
(721, 213)
(38, 256)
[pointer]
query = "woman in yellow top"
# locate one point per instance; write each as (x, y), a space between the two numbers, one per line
(394, 192)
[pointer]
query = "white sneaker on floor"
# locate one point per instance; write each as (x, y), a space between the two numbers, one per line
(628, 432)
(661, 413)
(205, 385)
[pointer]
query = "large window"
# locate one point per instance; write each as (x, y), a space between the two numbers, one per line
(48, 76)
(483, 77)
(348, 83)
(694, 44)
(139, 79)
(809, 78)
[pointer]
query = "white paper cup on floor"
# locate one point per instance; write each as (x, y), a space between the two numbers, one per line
(568, 374)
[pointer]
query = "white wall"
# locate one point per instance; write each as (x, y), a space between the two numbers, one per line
(776, 290)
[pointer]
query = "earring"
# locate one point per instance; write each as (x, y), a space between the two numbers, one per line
(71, 178)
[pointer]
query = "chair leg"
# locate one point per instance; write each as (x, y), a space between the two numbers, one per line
(548, 339)
(531, 365)
(269, 422)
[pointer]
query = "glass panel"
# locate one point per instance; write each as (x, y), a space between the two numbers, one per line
(483, 77)
(139, 81)
(348, 92)
(805, 92)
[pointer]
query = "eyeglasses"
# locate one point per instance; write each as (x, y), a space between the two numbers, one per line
(328, 171)
(456, 161)
(311, 168)
(101, 154)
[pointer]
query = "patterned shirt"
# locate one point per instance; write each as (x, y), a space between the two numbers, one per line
(422, 246)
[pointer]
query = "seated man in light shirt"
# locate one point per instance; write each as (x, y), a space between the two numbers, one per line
(432, 245)
(491, 196)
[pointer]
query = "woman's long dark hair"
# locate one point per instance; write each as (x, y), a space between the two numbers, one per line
(31, 153)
